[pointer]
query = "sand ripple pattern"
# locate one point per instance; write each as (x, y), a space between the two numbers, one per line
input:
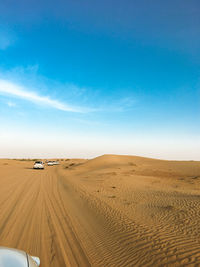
(92, 215)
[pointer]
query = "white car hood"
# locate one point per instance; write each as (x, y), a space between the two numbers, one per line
(15, 258)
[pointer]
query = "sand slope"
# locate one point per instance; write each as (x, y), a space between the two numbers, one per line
(108, 211)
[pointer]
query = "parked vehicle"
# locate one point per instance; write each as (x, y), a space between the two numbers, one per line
(10, 257)
(38, 165)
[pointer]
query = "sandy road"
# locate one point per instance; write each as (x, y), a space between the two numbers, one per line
(33, 218)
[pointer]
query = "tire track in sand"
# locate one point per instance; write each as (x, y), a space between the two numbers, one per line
(72, 252)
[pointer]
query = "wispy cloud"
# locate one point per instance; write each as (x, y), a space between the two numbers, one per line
(14, 90)
(27, 84)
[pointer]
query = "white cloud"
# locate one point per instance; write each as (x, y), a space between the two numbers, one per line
(14, 90)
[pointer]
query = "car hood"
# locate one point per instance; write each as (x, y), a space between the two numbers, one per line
(16, 258)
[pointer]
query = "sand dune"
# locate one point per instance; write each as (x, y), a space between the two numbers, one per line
(108, 211)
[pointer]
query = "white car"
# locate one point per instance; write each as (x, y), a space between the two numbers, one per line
(54, 162)
(38, 165)
(10, 257)
(50, 163)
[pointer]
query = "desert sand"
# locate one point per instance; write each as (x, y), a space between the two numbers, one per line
(108, 211)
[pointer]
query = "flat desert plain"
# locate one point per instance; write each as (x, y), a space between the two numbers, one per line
(108, 211)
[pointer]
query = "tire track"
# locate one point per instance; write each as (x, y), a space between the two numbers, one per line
(72, 253)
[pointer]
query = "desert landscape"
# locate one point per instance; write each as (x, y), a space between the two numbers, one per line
(100, 133)
(108, 211)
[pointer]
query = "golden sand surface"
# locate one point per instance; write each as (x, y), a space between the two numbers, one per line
(108, 211)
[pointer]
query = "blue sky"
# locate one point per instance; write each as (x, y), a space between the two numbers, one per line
(84, 78)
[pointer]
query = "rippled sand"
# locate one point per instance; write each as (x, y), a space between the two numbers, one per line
(109, 211)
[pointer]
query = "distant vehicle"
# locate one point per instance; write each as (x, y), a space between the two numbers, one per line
(53, 162)
(38, 165)
(50, 163)
(10, 257)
